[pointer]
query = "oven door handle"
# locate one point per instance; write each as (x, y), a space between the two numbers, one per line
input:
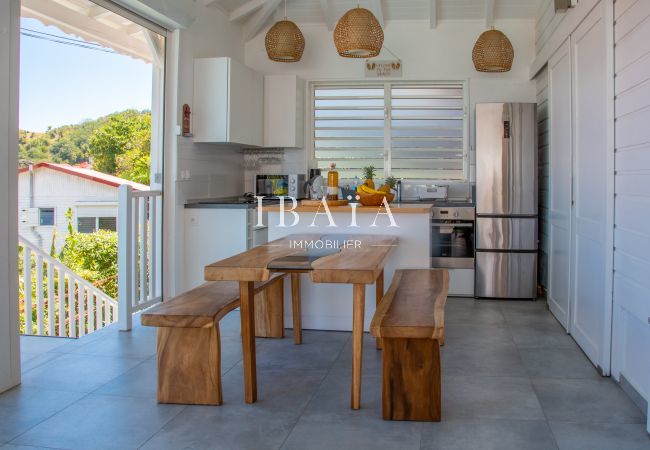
(455, 225)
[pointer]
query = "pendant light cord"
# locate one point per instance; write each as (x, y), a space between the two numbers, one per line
(285, 9)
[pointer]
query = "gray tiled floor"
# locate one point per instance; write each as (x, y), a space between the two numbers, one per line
(511, 380)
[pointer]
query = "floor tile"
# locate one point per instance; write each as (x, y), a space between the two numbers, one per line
(79, 373)
(29, 361)
(540, 335)
(101, 422)
(489, 398)
(574, 436)
(309, 355)
(554, 362)
(472, 335)
(482, 361)
(127, 344)
(533, 315)
(344, 434)
(278, 390)
(488, 435)
(138, 382)
(470, 311)
(586, 401)
(242, 427)
(21, 408)
(41, 344)
(23, 447)
(332, 400)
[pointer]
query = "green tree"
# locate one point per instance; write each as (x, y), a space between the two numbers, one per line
(128, 132)
(93, 256)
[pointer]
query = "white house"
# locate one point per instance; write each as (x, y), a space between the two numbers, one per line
(47, 190)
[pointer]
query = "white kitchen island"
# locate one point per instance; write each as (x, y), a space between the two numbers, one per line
(329, 306)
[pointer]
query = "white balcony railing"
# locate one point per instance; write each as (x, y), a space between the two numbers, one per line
(139, 251)
(62, 302)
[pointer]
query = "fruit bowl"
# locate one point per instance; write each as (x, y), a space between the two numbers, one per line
(374, 199)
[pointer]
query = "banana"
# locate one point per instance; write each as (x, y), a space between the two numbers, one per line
(363, 189)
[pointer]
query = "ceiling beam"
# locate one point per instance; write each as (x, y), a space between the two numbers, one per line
(97, 12)
(246, 10)
(255, 24)
(433, 14)
(489, 13)
(329, 13)
(377, 9)
(79, 24)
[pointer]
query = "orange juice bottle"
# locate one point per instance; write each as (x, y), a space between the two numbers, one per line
(332, 183)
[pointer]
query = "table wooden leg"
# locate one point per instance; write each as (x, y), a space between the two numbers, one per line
(247, 314)
(379, 289)
(295, 308)
(359, 297)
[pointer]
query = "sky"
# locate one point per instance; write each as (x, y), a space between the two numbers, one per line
(63, 84)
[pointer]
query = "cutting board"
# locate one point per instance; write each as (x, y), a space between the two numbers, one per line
(330, 203)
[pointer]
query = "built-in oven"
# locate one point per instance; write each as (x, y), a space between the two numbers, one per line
(452, 237)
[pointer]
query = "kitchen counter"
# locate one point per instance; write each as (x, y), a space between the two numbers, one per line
(396, 208)
(219, 203)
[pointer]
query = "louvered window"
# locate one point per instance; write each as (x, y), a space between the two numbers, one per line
(405, 130)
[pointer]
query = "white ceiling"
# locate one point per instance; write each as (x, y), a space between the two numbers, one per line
(255, 14)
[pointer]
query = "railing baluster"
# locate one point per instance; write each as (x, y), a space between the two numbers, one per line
(72, 307)
(152, 248)
(158, 261)
(144, 254)
(83, 294)
(51, 302)
(40, 304)
(27, 289)
(77, 305)
(107, 317)
(61, 302)
(134, 252)
(91, 313)
(100, 313)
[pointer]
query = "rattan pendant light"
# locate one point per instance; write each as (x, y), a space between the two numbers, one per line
(358, 34)
(284, 41)
(493, 52)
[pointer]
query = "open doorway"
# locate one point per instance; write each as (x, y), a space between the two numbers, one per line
(90, 164)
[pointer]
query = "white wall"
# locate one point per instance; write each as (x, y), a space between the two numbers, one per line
(443, 53)
(215, 170)
(631, 333)
(9, 339)
(631, 291)
(543, 162)
(58, 190)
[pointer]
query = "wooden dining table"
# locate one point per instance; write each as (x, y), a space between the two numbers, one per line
(353, 259)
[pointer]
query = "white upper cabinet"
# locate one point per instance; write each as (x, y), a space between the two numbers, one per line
(228, 102)
(284, 111)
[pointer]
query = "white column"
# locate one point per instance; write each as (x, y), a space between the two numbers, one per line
(124, 261)
(9, 322)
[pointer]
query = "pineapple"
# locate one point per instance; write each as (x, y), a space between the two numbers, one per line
(389, 185)
(369, 174)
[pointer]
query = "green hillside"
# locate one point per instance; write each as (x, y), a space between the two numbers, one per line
(117, 144)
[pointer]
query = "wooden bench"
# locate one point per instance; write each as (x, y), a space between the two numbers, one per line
(410, 323)
(188, 343)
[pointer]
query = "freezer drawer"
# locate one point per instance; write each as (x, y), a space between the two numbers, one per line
(506, 233)
(506, 275)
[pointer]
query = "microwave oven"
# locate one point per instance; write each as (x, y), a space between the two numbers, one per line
(292, 185)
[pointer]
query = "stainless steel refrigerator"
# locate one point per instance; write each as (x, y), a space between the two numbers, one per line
(506, 200)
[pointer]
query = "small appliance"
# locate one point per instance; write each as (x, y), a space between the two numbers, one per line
(291, 185)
